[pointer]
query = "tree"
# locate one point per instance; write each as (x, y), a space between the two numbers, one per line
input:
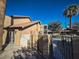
(54, 26)
(71, 11)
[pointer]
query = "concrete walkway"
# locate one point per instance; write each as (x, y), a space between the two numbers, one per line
(8, 52)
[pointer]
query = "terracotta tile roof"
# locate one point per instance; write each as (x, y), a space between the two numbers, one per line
(23, 25)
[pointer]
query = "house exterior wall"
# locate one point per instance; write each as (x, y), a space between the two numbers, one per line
(31, 33)
(44, 29)
(31, 29)
(4, 36)
(21, 20)
(7, 22)
(2, 12)
(35, 38)
(17, 37)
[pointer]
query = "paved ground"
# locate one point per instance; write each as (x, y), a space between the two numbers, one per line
(8, 53)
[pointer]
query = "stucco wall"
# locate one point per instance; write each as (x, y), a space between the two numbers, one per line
(31, 31)
(2, 11)
(21, 20)
(17, 37)
(33, 28)
(7, 21)
(4, 36)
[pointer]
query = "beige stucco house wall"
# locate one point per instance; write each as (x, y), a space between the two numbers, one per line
(32, 32)
(25, 30)
(30, 35)
(7, 22)
(2, 13)
(20, 19)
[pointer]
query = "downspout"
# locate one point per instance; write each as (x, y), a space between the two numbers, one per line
(12, 21)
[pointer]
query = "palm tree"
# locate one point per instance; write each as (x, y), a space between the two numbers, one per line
(71, 11)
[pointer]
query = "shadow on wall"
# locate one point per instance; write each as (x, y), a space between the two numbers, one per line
(7, 41)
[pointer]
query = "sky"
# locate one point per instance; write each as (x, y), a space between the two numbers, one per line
(44, 10)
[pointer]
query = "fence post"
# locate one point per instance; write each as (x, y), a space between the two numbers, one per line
(72, 46)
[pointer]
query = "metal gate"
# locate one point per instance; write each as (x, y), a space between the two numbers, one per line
(69, 47)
